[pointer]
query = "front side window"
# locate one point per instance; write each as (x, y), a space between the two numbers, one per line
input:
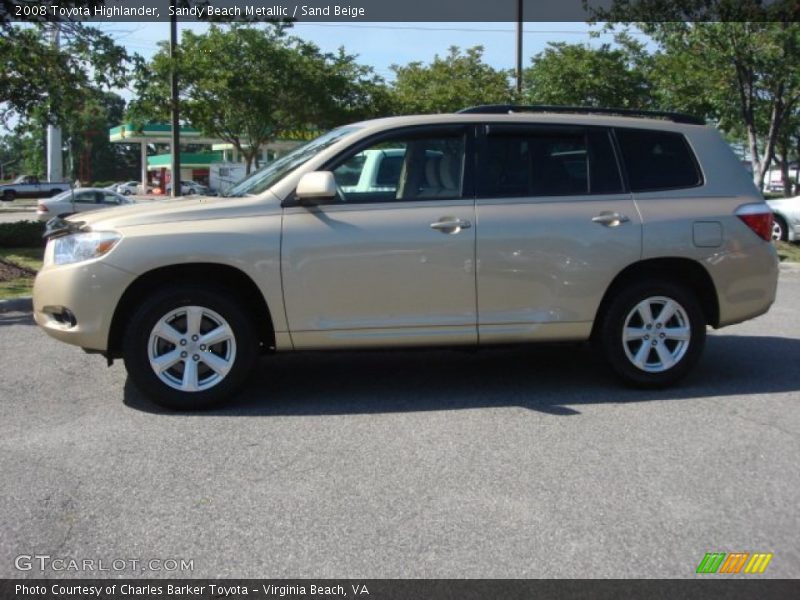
(86, 197)
(533, 162)
(406, 168)
(657, 160)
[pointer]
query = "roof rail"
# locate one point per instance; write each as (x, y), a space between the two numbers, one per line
(497, 109)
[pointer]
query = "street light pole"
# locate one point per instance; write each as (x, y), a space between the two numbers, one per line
(55, 167)
(518, 71)
(176, 141)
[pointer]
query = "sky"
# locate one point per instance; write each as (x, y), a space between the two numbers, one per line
(380, 45)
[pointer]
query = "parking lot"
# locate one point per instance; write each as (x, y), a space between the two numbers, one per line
(509, 462)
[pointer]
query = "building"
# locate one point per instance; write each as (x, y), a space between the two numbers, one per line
(198, 151)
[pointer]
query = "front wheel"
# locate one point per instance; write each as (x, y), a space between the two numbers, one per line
(9, 195)
(188, 348)
(653, 333)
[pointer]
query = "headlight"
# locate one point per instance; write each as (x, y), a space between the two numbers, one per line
(78, 247)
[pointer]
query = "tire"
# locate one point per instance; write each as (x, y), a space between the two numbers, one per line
(675, 346)
(780, 233)
(217, 372)
(54, 193)
(9, 195)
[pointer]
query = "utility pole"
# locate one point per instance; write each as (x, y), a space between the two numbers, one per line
(55, 167)
(518, 70)
(176, 134)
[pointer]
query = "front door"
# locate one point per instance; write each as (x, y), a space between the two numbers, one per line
(390, 261)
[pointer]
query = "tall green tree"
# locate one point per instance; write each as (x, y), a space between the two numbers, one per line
(43, 82)
(579, 75)
(250, 85)
(738, 59)
(449, 83)
(91, 156)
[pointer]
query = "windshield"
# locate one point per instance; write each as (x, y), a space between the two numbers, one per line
(273, 172)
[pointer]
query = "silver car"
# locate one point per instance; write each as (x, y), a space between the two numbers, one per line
(786, 227)
(634, 231)
(189, 187)
(79, 200)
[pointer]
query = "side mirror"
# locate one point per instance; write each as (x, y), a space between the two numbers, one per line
(316, 187)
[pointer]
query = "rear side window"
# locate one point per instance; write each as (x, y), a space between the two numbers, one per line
(657, 160)
(534, 162)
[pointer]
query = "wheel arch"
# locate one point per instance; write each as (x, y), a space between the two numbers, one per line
(217, 275)
(683, 271)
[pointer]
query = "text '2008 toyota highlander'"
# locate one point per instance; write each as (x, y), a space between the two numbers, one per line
(499, 224)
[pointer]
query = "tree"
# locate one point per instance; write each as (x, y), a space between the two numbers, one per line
(579, 75)
(744, 67)
(35, 72)
(249, 85)
(91, 156)
(449, 84)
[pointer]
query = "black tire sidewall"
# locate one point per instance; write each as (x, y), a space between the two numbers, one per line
(614, 321)
(782, 224)
(137, 336)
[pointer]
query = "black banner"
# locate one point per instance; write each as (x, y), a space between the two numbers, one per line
(396, 589)
(398, 11)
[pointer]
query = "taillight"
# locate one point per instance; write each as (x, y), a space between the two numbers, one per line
(41, 208)
(757, 217)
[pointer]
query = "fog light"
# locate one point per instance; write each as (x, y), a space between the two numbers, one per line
(62, 315)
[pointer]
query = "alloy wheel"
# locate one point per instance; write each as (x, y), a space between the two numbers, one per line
(191, 348)
(656, 334)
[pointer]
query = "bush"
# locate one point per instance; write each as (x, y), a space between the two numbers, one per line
(22, 234)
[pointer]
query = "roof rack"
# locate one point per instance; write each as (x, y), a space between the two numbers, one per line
(497, 109)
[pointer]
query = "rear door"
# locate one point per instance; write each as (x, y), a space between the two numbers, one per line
(555, 226)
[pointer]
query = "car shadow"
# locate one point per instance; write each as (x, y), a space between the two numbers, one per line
(16, 318)
(553, 379)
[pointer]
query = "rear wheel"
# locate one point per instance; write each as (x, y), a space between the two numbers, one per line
(9, 195)
(779, 231)
(188, 348)
(653, 333)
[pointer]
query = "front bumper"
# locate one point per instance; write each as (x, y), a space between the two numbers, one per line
(75, 303)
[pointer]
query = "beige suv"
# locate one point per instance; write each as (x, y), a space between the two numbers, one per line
(496, 225)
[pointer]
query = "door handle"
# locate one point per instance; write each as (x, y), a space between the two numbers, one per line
(451, 225)
(610, 219)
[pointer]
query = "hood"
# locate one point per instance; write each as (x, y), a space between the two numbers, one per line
(169, 211)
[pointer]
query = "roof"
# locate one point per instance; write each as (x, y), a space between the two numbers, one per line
(560, 118)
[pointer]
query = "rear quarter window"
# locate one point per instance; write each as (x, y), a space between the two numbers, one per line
(658, 160)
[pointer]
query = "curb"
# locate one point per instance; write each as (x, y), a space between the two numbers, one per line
(23, 304)
(790, 267)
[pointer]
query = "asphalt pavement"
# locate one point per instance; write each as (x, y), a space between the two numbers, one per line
(510, 462)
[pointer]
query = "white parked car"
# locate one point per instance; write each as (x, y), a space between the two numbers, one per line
(190, 187)
(786, 226)
(131, 187)
(80, 200)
